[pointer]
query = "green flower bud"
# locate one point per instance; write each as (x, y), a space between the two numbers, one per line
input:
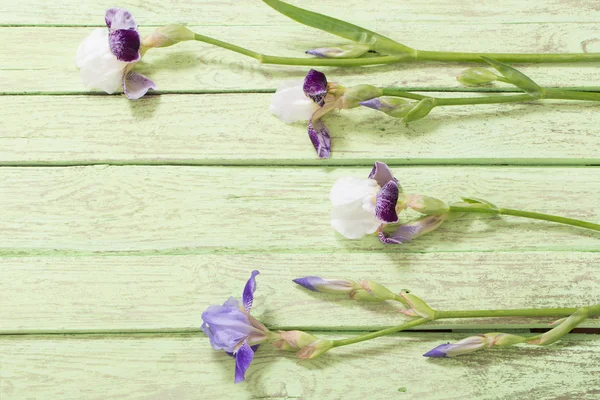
(377, 290)
(516, 77)
(168, 35)
(421, 110)
(503, 339)
(417, 307)
(396, 107)
(293, 340)
(363, 295)
(427, 205)
(354, 95)
(477, 76)
(315, 349)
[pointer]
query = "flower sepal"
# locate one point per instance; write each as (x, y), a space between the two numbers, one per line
(315, 349)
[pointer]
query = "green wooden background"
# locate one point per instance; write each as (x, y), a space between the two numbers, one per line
(120, 221)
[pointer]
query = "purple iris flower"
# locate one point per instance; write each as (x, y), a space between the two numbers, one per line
(231, 328)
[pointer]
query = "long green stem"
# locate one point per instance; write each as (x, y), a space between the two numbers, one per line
(526, 214)
(561, 94)
(506, 57)
(383, 332)
(521, 312)
(266, 59)
(390, 59)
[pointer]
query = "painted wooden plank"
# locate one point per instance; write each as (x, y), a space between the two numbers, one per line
(214, 209)
(373, 15)
(185, 367)
(32, 66)
(169, 293)
(239, 129)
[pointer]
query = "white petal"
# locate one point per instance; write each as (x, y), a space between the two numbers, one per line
(99, 68)
(350, 189)
(352, 222)
(290, 104)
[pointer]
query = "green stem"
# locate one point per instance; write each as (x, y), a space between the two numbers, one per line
(506, 57)
(383, 332)
(266, 59)
(519, 312)
(526, 214)
(561, 94)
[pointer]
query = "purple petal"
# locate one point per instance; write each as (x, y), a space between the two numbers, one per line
(125, 44)
(310, 282)
(382, 174)
(315, 86)
(119, 18)
(243, 359)
(412, 230)
(438, 352)
(136, 85)
(226, 326)
(316, 52)
(375, 104)
(385, 203)
(319, 136)
(248, 294)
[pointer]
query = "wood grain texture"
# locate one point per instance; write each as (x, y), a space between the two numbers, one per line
(183, 129)
(32, 66)
(185, 367)
(169, 293)
(191, 210)
(231, 12)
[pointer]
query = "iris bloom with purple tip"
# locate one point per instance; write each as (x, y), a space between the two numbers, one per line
(105, 58)
(230, 327)
(366, 206)
(305, 101)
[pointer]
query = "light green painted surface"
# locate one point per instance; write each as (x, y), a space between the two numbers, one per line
(202, 188)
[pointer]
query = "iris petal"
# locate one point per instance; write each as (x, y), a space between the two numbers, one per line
(243, 359)
(382, 174)
(119, 18)
(136, 85)
(315, 86)
(248, 294)
(385, 204)
(125, 44)
(319, 136)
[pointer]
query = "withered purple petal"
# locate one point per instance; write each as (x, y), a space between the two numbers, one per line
(315, 86)
(243, 359)
(382, 174)
(136, 85)
(319, 136)
(438, 352)
(248, 294)
(119, 18)
(411, 230)
(125, 44)
(385, 203)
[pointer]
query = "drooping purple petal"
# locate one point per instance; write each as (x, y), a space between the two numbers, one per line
(382, 174)
(125, 44)
(385, 203)
(248, 294)
(119, 18)
(243, 359)
(136, 85)
(411, 230)
(315, 86)
(319, 136)
(439, 351)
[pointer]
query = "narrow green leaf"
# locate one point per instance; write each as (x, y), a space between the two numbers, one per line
(341, 28)
(516, 77)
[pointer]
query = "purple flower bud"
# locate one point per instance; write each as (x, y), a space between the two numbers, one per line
(461, 347)
(344, 51)
(317, 284)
